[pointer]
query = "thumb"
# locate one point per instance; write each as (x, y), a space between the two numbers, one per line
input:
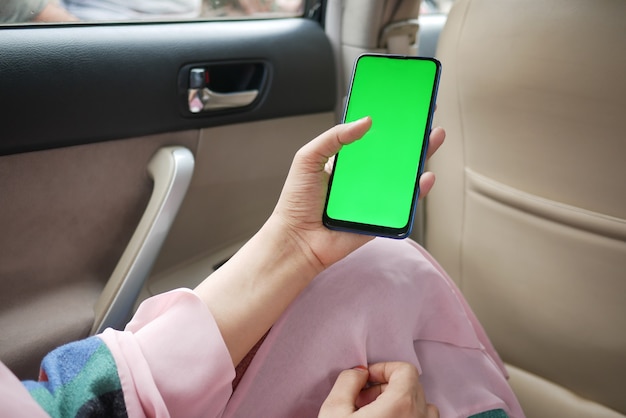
(330, 142)
(341, 400)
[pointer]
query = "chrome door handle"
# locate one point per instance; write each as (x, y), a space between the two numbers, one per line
(206, 99)
(237, 85)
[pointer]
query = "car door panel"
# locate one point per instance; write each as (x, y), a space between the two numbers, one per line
(85, 109)
(103, 82)
(67, 214)
(235, 187)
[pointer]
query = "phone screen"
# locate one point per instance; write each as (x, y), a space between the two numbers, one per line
(374, 185)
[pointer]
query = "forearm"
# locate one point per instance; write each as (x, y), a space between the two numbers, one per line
(250, 292)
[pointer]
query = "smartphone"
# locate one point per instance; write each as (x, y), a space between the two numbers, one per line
(374, 185)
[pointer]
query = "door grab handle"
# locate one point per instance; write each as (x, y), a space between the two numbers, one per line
(171, 169)
(205, 99)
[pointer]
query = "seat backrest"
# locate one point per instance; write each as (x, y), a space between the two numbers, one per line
(529, 211)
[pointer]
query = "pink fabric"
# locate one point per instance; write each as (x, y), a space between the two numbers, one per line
(388, 301)
(172, 360)
(15, 401)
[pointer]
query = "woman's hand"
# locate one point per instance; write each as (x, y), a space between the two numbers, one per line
(394, 391)
(250, 291)
(302, 200)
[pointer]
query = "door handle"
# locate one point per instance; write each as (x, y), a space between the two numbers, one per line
(171, 169)
(223, 86)
(206, 99)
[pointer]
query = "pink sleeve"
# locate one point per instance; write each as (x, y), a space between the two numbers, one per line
(172, 360)
(15, 399)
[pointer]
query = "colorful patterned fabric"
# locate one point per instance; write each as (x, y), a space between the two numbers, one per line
(496, 413)
(79, 380)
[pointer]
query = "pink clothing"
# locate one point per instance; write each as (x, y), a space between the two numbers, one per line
(15, 401)
(388, 301)
(172, 360)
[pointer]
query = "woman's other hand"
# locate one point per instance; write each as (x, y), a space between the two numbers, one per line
(384, 390)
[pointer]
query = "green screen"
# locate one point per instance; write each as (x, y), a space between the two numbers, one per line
(374, 179)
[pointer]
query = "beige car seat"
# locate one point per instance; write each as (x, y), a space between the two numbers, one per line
(529, 211)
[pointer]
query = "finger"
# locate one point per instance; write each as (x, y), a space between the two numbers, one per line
(330, 142)
(328, 168)
(383, 372)
(369, 395)
(436, 138)
(399, 376)
(427, 181)
(342, 397)
(400, 383)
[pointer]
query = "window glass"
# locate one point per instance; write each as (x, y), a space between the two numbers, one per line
(37, 11)
(252, 8)
(431, 7)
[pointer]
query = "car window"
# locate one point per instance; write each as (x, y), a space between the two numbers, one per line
(46, 11)
(431, 7)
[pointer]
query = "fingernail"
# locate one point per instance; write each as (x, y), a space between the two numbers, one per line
(360, 120)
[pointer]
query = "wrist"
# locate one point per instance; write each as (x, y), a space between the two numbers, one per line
(249, 292)
(289, 242)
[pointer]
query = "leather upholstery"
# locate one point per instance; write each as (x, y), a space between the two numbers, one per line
(529, 212)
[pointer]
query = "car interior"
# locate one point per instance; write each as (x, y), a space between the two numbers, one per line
(138, 156)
